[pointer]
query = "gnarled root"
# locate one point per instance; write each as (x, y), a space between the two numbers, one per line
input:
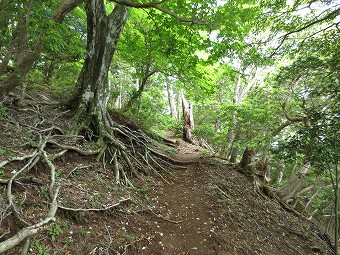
(54, 187)
(125, 152)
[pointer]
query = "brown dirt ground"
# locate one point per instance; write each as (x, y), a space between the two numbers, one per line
(204, 206)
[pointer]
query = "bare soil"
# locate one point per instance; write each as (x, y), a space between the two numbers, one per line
(203, 206)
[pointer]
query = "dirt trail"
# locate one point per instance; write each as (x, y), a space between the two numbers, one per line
(209, 208)
(182, 221)
(190, 208)
(187, 202)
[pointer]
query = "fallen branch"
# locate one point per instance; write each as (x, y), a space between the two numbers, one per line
(131, 243)
(164, 218)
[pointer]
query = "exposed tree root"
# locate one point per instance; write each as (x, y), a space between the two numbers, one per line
(94, 209)
(30, 229)
(125, 152)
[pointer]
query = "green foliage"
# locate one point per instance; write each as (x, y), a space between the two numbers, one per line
(144, 191)
(44, 192)
(315, 98)
(130, 238)
(38, 249)
(2, 150)
(324, 200)
(32, 143)
(204, 130)
(214, 63)
(55, 230)
(65, 78)
(150, 112)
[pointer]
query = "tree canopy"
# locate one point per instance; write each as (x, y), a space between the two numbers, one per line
(259, 76)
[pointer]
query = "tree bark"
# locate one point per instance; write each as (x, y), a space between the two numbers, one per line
(247, 163)
(233, 154)
(89, 103)
(8, 55)
(50, 71)
(25, 62)
(171, 100)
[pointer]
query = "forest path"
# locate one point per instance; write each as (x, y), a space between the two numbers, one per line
(186, 204)
(209, 208)
(202, 206)
(181, 220)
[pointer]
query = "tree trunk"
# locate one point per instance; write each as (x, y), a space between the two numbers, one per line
(25, 57)
(188, 117)
(281, 167)
(25, 62)
(228, 151)
(247, 163)
(141, 87)
(335, 184)
(8, 55)
(89, 103)
(50, 71)
(288, 190)
(171, 99)
(118, 101)
(233, 155)
(179, 105)
(90, 100)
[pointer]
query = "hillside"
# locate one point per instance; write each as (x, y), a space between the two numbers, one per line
(194, 204)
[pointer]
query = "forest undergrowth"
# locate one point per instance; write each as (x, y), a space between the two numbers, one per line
(61, 195)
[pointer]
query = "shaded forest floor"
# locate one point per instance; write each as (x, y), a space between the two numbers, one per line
(202, 206)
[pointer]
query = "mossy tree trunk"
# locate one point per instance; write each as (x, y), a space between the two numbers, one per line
(90, 99)
(89, 103)
(247, 163)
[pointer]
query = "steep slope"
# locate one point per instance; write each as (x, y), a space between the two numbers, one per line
(199, 205)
